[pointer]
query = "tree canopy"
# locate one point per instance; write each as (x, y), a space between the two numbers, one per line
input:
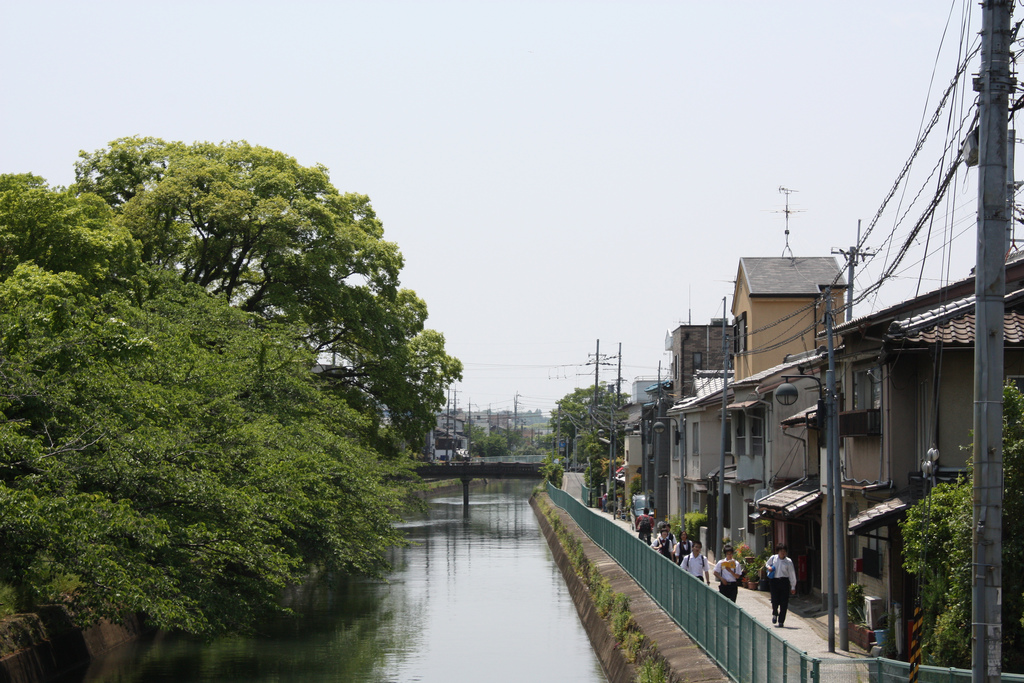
(252, 226)
(165, 446)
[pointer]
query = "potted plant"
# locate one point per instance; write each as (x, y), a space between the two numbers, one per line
(762, 570)
(858, 631)
(751, 565)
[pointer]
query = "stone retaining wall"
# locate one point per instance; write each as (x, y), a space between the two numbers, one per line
(52, 655)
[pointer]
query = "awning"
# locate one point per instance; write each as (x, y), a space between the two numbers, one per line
(791, 501)
(882, 514)
(805, 417)
(741, 405)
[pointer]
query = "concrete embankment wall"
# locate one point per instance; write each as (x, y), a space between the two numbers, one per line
(614, 663)
(45, 656)
(684, 660)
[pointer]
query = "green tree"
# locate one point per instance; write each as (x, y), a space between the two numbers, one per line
(274, 238)
(937, 538)
(587, 425)
(552, 471)
(177, 460)
(163, 449)
(60, 233)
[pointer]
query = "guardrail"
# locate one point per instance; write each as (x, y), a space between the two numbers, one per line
(746, 650)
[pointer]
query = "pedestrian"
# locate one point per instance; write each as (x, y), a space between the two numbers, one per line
(728, 571)
(604, 502)
(665, 541)
(683, 547)
(781, 582)
(695, 563)
(643, 524)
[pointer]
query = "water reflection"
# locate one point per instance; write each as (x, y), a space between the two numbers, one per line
(472, 599)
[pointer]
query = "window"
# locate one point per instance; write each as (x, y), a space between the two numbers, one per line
(867, 390)
(740, 332)
(698, 361)
(740, 420)
(873, 553)
(756, 433)
(695, 441)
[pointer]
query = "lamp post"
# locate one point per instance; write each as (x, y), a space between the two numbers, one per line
(787, 394)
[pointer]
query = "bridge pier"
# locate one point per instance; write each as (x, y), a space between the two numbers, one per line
(465, 496)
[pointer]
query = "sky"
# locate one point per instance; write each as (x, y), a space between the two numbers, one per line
(555, 173)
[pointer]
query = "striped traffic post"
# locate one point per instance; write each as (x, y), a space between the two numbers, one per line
(915, 643)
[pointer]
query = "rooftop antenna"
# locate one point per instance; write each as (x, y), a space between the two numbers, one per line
(786, 191)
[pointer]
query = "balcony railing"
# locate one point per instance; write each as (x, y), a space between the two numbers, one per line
(860, 422)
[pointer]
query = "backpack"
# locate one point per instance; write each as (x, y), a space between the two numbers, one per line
(645, 523)
(703, 564)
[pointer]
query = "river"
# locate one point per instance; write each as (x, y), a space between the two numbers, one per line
(476, 599)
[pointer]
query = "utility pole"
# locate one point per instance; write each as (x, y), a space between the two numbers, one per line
(993, 84)
(615, 405)
(838, 530)
(720, 508)
(515, 411)
(852, 255)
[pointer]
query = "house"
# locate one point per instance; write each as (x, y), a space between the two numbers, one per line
(906, 413)
(694, 349)
(777, 307)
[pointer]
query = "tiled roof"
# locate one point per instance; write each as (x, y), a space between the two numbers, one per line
(880, 514)
(767, 276)
(953, 323)
(792, 500)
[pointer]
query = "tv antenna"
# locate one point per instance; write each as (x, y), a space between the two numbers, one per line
(786, 191)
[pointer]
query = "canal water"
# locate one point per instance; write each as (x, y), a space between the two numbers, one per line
(476, 599)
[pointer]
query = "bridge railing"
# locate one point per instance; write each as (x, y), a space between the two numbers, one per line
(510, 458)
(745, 648)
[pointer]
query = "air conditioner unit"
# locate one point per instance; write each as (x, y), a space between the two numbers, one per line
(874, 611)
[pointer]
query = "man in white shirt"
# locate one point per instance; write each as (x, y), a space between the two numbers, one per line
(729, 571)
(695, 563)
(782, 583)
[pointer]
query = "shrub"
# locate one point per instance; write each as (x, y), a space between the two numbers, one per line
(694, 521)
(8, 600)
(855, 602)
(652, 671)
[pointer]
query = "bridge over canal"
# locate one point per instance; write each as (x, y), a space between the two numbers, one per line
(468, 471)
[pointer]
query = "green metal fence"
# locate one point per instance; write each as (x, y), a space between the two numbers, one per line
(748, 651)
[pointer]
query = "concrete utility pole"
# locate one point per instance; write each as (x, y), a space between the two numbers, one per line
(720, 507)
(612, 436)
(993, 84)
(838, 517)
(852, 255)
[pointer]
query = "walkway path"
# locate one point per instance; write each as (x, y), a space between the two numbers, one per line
(806, 625)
